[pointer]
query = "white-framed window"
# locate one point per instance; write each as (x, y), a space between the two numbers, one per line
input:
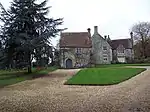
(78, 50)
(105, 57)
(104, 48)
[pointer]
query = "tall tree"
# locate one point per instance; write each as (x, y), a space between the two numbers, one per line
(141, 33)
(27, 27)
(138, 52)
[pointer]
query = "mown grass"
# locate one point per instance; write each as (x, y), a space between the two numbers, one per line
(15, 76)
(103, 76)
(121, 65)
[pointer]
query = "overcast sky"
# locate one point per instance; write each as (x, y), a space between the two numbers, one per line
(113, 17)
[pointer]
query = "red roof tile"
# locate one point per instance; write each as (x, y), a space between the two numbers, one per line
(75, 39)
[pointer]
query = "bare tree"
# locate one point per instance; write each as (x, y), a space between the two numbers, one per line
(138, 52)
(141, 33)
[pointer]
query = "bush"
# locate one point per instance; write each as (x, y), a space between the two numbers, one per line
(142, 60)
(129, 60)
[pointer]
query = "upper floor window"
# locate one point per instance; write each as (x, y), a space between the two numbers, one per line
(105, 55)
(78, 50)
(104, 48)
(120, 49)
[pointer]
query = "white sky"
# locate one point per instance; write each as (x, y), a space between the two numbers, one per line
(113, 17)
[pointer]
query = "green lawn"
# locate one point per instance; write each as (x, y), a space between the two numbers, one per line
(121, 65)
(12, 77)
(103, 76)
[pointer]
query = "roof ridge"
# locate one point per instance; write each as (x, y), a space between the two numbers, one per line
(122, 39)
(74, 32)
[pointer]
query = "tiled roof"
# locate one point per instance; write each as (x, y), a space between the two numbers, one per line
(75, 39)
(125, 42)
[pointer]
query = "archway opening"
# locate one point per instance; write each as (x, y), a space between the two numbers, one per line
(69, 63)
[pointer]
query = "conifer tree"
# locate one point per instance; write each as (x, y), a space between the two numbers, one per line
(26, 27)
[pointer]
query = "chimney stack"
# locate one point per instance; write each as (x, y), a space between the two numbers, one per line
(95, 29)
(105, 37)
(132, 40)
(89, 32)
(108, 38)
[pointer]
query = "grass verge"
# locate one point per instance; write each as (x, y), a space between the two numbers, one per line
(121, 65)
(12, 77)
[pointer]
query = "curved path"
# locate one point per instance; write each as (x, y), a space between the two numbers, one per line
(48, 94)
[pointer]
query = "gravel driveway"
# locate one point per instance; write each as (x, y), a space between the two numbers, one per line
(48, 94)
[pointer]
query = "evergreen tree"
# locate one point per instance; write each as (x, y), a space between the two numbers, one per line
(26, 28)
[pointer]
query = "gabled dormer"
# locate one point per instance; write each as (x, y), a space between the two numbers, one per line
(120, 50)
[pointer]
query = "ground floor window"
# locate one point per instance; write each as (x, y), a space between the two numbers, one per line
(121, 59)
(105, 59)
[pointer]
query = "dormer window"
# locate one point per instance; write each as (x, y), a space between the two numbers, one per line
(120, 49)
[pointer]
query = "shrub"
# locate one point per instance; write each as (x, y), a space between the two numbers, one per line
(142, 60)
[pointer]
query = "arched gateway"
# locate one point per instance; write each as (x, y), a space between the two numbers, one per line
(69, 63)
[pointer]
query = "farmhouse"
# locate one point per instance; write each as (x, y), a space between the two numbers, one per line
(80, 49)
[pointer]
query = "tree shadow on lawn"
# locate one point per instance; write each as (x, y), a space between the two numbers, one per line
(16, 77)
(15, 74)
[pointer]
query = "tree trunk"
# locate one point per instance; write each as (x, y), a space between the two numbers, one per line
(29, 69)
(29, 63)
(143, 48)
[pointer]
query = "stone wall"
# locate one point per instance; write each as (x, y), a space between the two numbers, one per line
(101, 55)
(127, 55)
(78, 59)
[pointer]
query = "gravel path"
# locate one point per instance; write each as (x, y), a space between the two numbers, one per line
(48, 94)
